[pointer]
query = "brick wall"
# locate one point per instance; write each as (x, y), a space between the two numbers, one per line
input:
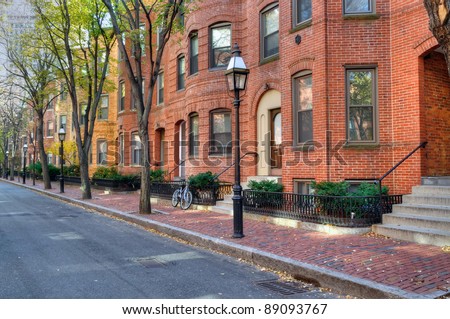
(394, 41)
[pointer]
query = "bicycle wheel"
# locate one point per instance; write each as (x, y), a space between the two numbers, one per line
(186, 200)
(175, 198)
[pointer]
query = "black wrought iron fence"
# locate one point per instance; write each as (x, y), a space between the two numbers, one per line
(348, 211)
(164, 189)
(204, 196)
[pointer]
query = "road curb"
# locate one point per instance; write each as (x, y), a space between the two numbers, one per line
(319, 276)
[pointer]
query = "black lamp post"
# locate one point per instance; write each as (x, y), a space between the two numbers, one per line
(25, 148)
(62, 137)
(237, 74)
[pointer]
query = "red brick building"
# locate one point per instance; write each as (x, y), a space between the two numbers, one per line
(338, 90)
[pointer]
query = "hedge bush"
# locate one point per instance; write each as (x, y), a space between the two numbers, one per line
(266, 186)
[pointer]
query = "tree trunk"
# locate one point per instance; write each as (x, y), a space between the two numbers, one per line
(11, 168)
(144, 200)
(84, 174)
(42, 154)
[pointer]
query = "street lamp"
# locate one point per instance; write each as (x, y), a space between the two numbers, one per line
(25, 148)
(62, 137)
(237, 74)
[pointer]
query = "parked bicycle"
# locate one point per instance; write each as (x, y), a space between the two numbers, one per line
(183, 196)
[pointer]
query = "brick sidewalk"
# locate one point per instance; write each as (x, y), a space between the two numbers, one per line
(412, 268)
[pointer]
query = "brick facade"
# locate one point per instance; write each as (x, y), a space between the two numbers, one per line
(410, 103)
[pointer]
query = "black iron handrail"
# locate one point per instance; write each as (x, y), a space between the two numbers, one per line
(379, 181)
(232, 164)
(173, 170)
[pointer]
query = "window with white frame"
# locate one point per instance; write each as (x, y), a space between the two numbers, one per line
(121, 159)
(270, 31)
(303, 186)
(63, 122)
(121, 96)
(361, 103)
(220, 132)
(302, 11)
(302, 108)
(83, 108)
(358, 6)
(50, 129)
(102, 148)
(136, 149)
(220, 45)
(160, 88)
(193, 135)
(193, 53)
(103, 107)
(181, 70)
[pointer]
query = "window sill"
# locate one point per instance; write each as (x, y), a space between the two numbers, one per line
(362, 16)
(219, 155)
(301, 26)
(361, 146)
(306, 147)
(270, 59)
(217, 68)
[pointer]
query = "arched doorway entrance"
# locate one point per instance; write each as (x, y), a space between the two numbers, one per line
(436, 114)
(269, 134)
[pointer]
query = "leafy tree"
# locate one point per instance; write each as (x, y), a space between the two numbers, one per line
(13, 119)
(78, 35)
(161, 19)
(32, 74)
(439, 20)
(70, 151)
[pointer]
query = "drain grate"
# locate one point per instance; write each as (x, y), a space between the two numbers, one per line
(283, 288)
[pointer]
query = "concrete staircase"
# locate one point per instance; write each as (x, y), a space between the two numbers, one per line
(224, 207)
(424, 217)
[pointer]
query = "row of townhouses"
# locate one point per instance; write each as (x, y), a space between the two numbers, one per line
(337, 90)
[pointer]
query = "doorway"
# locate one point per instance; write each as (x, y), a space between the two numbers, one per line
(275, 142)
(269, 134)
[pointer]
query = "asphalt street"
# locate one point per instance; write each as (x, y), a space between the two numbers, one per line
(50, 249)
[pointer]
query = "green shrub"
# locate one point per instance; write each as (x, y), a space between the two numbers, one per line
(366, 189)
(53, 171)
(266, 186)
(37, 168)
(106, 172)
(330, 188)
(203, 180)
(72, 170)
(157, 175)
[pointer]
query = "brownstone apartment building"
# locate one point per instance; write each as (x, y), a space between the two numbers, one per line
(338, 90)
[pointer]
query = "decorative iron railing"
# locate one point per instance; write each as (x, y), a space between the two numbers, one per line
(205, 196)
(347, 211)
(164, 189)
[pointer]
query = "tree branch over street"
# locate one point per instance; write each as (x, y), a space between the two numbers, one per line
(75, 31)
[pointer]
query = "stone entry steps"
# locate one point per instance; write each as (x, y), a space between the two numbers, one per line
(424, 217)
